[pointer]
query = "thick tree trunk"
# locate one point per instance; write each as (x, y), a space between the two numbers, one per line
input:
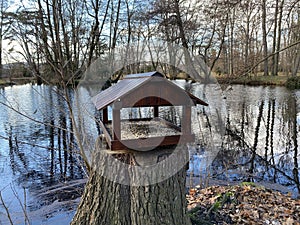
(103, 202)
(125, 201)
(296, 65)
(264, 33)
(279, 36)
(274, 72)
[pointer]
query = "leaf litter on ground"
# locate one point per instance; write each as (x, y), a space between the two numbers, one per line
(242, 204)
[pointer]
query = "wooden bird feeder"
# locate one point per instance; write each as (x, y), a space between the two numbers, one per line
(144, 90)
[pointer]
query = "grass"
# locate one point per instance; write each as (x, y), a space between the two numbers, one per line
(17, 81)
(196, 220)
(265, 80)
(280, 80)
(2, 82)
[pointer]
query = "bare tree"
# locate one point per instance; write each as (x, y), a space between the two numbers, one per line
(4, 27)
(61, 26)
(248, 27)
(277, 35)
(265, 38)
(98, 22)
(295, 37)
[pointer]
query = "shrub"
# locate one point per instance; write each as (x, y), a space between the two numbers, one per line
(293, 83)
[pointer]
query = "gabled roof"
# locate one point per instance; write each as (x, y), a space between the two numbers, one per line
(144, 75)
(108, 96)
(128, 84)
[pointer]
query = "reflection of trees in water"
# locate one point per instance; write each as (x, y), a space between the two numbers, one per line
(272, 138)
(45, 155)
(294, 129)
(18, 160)
(254, 148)
(260, 142)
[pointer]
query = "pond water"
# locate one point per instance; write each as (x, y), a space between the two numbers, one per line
(261, 137)
(246, 134)
(37, 164)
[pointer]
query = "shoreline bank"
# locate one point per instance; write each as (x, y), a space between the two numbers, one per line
(254, 81)
(290, 82)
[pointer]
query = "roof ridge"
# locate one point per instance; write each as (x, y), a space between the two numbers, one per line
(143, 75)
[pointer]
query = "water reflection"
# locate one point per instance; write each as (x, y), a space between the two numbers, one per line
(38, 142)
(261, 139)
(246, 134)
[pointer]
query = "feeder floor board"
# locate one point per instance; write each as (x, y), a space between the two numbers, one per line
(144, 129)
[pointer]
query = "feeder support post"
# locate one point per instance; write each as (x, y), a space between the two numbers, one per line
(116, 120)
(186, 120)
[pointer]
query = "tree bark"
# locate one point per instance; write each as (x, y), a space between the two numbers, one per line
(126, 201)
(296, 63)
(274, 72)
(279, 36)
(190, 68)
(265, 42)
(231, 45)
(3, 9)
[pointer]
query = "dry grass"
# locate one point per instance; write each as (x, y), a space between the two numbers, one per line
(258, 79)
(2, 82)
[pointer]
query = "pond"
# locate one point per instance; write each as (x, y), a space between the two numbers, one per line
(246, 134)
(260, 139)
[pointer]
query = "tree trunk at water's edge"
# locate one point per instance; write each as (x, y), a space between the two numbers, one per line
(129, 195)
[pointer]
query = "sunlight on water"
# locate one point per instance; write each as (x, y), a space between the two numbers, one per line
(247, 133)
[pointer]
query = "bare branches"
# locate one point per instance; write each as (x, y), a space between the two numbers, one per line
(269, 56)
(23, 205)
(6, 209)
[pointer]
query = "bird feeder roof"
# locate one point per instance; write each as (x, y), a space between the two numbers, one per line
(135, 85)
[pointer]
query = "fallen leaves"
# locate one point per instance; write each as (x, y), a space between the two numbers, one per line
(242, 204)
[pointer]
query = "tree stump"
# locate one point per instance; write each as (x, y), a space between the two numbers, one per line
(125, 188)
